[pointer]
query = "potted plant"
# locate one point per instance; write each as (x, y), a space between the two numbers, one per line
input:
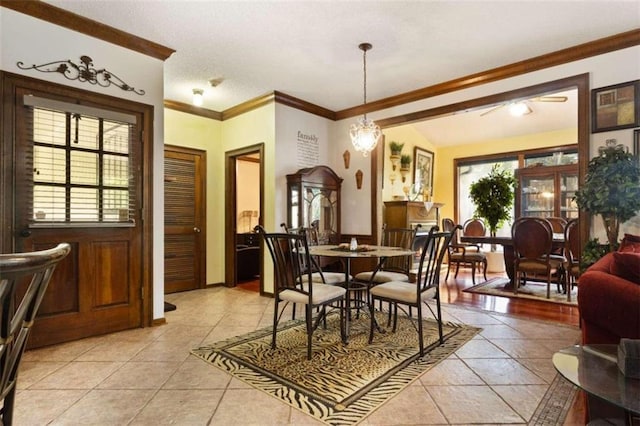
(396, 148)
(405, 161)
(493, 197)
(611, 189)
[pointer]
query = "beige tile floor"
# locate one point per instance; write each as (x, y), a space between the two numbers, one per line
(147, 376)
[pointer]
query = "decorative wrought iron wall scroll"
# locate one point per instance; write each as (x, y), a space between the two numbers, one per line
(83, 72)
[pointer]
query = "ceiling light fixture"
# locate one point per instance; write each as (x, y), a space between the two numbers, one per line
(365, 134)
(198, 97)
(519, 109)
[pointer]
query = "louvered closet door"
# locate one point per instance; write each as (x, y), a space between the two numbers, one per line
(184, 219)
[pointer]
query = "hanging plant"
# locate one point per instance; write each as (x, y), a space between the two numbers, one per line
(493, 197)
(611, 189)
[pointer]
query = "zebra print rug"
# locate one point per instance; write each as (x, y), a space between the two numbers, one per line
(341, 384)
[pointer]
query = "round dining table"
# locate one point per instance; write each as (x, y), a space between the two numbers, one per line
(345, 253)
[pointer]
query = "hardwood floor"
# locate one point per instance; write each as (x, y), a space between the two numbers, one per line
(452, 292)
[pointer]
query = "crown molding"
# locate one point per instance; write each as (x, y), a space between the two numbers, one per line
(64, 18)
(190, 109)
(55, 15)
(559, 57)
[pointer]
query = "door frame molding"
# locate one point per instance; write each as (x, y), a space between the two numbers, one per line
(230, 219)
(9, 83)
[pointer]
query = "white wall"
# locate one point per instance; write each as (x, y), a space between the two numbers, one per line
(33, 42)
(293, 125)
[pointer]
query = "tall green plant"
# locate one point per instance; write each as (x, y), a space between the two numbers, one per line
(611, 189)
(493, 197)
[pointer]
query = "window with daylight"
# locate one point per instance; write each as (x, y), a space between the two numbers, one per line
(82, 164)
(471, 171)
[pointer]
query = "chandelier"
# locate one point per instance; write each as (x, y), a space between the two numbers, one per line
(365, 134)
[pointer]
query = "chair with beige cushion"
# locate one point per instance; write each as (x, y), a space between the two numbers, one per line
(392, 268)
(24, 278)
(532, 244)
(293, 283)
(415, 295)
(317, 274)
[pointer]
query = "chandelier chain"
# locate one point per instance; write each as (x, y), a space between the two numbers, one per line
(364, 61)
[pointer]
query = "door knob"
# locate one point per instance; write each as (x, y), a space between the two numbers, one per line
(25, 233)
(196, 229)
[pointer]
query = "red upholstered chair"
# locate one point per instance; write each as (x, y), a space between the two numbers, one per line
(609, 302)
(609, 298)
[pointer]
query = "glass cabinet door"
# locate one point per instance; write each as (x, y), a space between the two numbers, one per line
(314, 202)
(547, 191)
(568, 188)
(537, 196)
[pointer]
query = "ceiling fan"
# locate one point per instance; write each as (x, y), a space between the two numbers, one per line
(519, 108)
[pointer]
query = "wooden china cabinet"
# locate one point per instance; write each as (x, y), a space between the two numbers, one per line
(313, 200)
(547, 191)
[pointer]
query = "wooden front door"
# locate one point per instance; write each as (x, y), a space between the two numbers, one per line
(184, 219)
(79, 180)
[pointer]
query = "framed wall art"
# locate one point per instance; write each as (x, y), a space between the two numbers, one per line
(423, 169)
(615, 107)
(636, 143)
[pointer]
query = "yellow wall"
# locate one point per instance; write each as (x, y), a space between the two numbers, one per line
(252, 128)
(443, 177)
(411, 138)
(196, 132)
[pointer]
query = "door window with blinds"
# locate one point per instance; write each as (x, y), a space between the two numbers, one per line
(83, 163)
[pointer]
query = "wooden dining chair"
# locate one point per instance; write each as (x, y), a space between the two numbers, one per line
(572, 251)
(24, 278)
(467, 255)
(532, 244)
(294, 284)
(558, 225)
(414, 295)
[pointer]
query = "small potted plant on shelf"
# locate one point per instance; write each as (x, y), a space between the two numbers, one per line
(396, 150)
(493, 197)
(611, 189)
(405, 161)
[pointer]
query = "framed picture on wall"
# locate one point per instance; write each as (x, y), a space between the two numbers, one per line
(636, 143)
(423, 169)
(615, 107)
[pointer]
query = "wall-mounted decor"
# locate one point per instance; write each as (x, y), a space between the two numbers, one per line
(359, 179)
(615, 107)
(636, 143)
(83, 72)
(423, 169)
(346, 156)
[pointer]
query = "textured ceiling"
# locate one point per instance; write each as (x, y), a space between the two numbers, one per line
(308, 49)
